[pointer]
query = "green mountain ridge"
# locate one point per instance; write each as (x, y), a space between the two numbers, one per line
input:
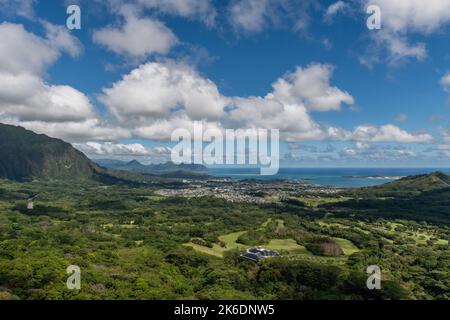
(413, 184)
(25, 154)
(160, 169)
(423, 197)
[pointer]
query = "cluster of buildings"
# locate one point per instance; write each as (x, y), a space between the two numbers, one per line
(227, 194)
(250, 191)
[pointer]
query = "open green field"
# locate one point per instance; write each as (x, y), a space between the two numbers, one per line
(335, 261)
(313, 201)
(155, 197)
(133, 245)
(286, 245)
(266, 223)
(420, 236)
(347, 246)
(332, 224)
(389, 228)
(217, 251)
(280, 245)
(231, 238)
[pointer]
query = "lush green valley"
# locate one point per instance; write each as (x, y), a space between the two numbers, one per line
(143, 232)
(133, 244)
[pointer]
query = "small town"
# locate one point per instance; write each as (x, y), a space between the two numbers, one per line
(249, 191)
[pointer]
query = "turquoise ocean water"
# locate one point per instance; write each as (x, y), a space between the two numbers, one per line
(338, 177)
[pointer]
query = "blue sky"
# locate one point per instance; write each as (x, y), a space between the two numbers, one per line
(341, 94)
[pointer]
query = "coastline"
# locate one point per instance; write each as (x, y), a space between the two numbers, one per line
(337, 177)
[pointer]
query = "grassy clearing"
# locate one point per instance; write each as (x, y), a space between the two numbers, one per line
(314, 202)
(125, 226)
(290, 247)
(420, 237)
(342, 226)
(280, 224)
(265, 224)
(287, 245)
(273, 198)
(332, 224)
(155, 197)
(347, 246)
(128, 226)
(280, 245)
(5, 205)
(318, 259)
(231, 238)
(217, 251)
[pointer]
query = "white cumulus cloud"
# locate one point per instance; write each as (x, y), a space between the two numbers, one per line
(137, 37)
(74, 131)
(22, 51)
(445, 82)
(154, 90)
(311, 86)
(387, 133)
(110, 148)
(157, 98)
(194, 9)
(413, 15)
(401, 19)
(26, 99)
(248, 15)
(335, 8)
(254, 16)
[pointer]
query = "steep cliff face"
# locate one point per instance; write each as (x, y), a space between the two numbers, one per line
(25, 154)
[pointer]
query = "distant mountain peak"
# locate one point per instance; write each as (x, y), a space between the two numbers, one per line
(134, 162)
(417, 184)
(158, 169)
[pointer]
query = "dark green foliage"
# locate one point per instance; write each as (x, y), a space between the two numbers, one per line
(430, 206)
(294, 202)
(412, 185)
(25, 154)
(420, 198)
(130, 244)
(324, 247)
